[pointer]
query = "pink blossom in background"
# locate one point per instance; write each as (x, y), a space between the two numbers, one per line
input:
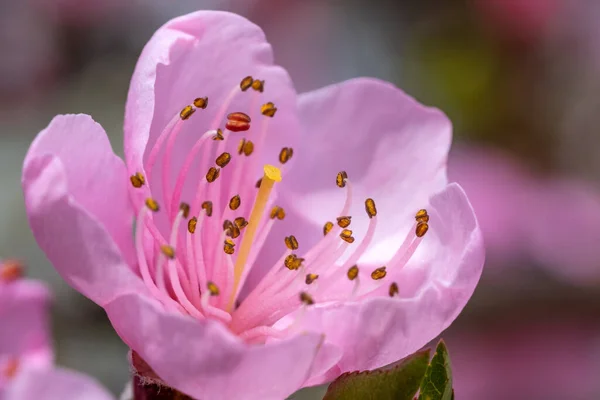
(200, 292)
(26, 357)
(554, 222)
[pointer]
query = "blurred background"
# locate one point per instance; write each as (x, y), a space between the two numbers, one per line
(520, 79)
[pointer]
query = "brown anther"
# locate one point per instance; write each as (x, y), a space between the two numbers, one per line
(346, 236)
(212, 288)
(258, 182)
(246, 83)
(285, 154)
(277, 212)
(235, 202)
(370, 207)
(231, 230)
(293, 262)
(223, 159)
(137, 180)
(352, 272)
(379, 273)
(340, 179)
(229, 246)
(10, 368)
(344, 222)
(201, 102)
(218, 135)
(185, 207)
(192, 224)
(422, 216)
(248, 148)
(306, 299)
(240, 222)
(238, 122)
(291, 242)
(422, 228)
(310, 278)
(227, 224)
(268, 109)
(393, 289)
(187, 112)
(11, 270)
(258, 85)
(152, 204)
(327, 227)
(212, 174)
(168, 251)
(208, 207)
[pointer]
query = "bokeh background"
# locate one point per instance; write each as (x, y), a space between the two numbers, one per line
(520, 79)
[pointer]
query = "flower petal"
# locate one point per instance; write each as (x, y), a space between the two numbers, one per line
(24, 317)
(55, 383)
(77, 207)
(381, 330)
(204, 360)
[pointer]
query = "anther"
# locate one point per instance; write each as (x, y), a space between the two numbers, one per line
(379, 273)
(168, 251)
(212, 174)
(240, 222)
(346, 236)
(223, 159)
(218, 135)
(246, 83)
(152, 204)
(229, 246)
(231, 230)
(187, 112)
(185, 207)
(277, 212)
(10, 271)
(422, 216)
(208, 207)
(370, 207)
(201, 102)
(344, 222)
(192, 224)
(268, 109)
(212, 288)
(238, 122)
(340, 179)
(258, 182)
(310, 278)
(393, 289)
(285, 154)
(293, 262)
(259, 86)
(327, 227)
(235, 202)
(291, 242)
(352, 272)
(422, 228)
(137, 180)
(306, 298)
(10, 368)
(248, 148)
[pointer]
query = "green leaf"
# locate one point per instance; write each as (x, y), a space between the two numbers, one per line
(437, 383)
(400, 382)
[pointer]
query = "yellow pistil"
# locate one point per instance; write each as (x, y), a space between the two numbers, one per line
(271, 175)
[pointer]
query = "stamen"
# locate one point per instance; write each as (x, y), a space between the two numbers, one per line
(218, 135)
(370, 207)
(271, 175)
(379, 273)
(340, 179)
(246, 147)
(208, 207)
(344, 222)
(10, 271)
(310, 278)
(168, 251)
(422, 228)
(327, 228)
(192, 225)
(187, 112)
(238, 122)
(393, 289)
(235, 202)
(422, 216)
(246, 83)
(10, 368)
(259, 86)
(257, 185)
(201, 102)
(212, 289)
(352, 272)
(152, 204)
(268, 109)
(212, 174)
(137, 180)
(306, 298)
(229, 246)
(285, 154)
(240, 222)
(291, 242)
(293, 262)
(223, 159)
(185, 207)
(277, 212)
(346, 236)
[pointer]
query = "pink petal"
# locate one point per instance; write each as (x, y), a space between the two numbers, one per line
(204, 360)
(76, 203)
(24, 318)
(54, 384)
(206, 53)
(97, 179)
(381, 330)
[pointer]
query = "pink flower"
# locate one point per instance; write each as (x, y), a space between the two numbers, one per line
(210, 295)
(26, 370)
